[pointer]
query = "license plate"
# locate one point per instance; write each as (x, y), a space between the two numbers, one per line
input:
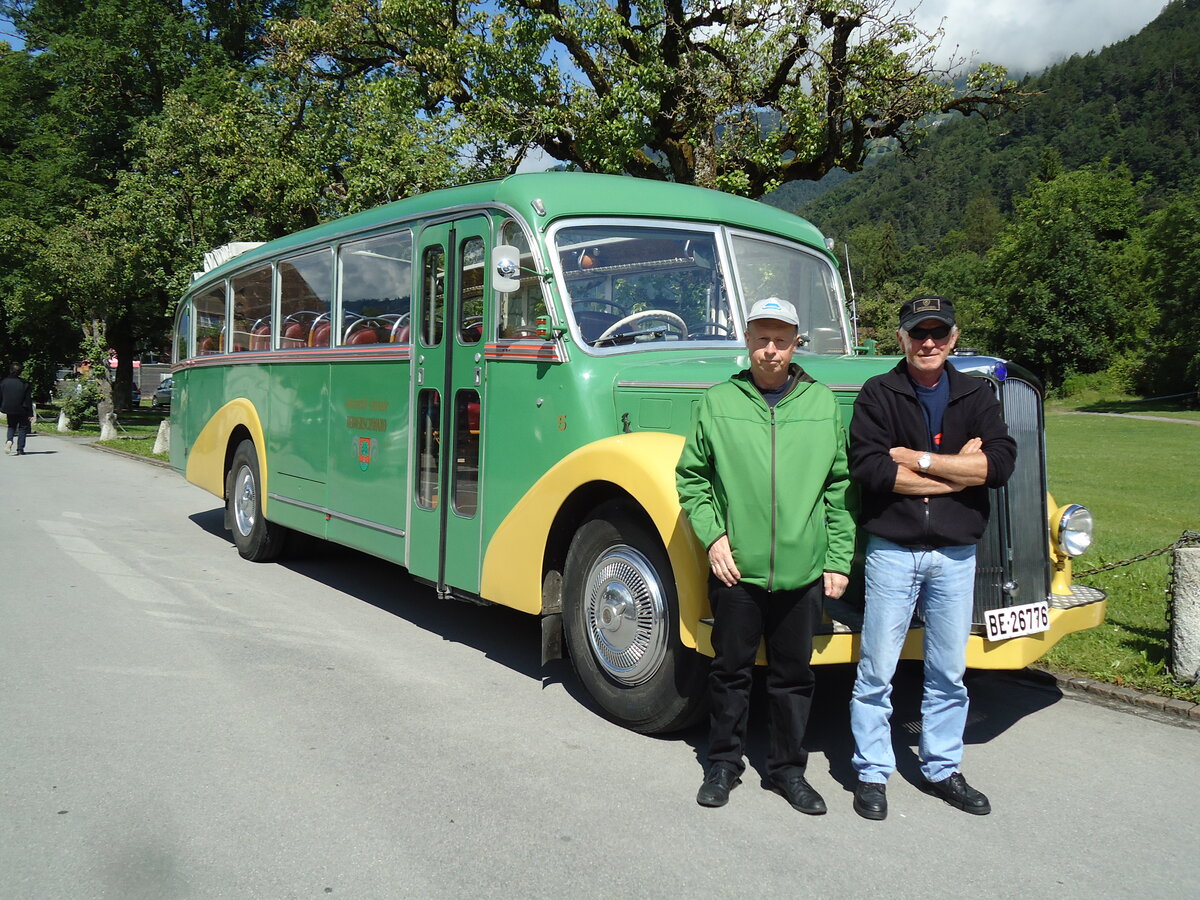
(1015, 621)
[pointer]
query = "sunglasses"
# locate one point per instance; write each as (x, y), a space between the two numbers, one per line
(938, 332)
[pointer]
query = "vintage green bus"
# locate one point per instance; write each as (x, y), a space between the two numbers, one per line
(489, 385)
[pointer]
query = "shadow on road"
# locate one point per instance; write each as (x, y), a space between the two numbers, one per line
(511, 638)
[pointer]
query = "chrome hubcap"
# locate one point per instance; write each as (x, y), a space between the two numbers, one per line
(625, 615)
(245, 501)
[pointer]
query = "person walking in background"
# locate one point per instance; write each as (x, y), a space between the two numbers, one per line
(763, 480)
(926, 443)
(16, 401)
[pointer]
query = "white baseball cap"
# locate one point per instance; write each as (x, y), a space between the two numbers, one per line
(774, 308)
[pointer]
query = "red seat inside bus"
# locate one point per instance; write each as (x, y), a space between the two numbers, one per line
(319, 336)
(261, 336)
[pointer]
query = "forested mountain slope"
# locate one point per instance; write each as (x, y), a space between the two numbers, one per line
(1135, 103)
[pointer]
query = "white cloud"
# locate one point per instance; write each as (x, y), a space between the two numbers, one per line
(1029, 35)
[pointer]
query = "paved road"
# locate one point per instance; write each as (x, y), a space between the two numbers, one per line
(177, 723)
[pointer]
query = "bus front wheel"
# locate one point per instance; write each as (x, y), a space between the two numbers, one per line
(256, 539)
(621, 622)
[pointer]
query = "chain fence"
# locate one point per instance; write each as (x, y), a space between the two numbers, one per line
(1187, 539)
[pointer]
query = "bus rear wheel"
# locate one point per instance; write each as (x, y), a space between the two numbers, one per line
(256, 539)
(621, 622)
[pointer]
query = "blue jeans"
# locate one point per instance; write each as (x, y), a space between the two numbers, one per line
(942, 582)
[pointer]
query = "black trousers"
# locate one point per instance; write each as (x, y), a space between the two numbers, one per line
(743, 615)
(18, 426)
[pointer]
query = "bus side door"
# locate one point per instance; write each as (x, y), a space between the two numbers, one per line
(447, 342)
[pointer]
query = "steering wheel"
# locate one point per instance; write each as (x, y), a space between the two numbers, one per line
(661, 314)
(521, 331)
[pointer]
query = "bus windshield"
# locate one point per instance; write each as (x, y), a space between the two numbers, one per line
(770, 268)
(633, 285)
(628, 285)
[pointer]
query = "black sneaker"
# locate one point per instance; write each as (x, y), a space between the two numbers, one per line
(870, 800)
(721, 778)
(798, 792)
(955, 791)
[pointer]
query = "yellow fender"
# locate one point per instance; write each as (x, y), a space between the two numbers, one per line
(641, 464)
(206, 461)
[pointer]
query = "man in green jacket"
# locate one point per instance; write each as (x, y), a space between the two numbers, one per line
(763, 480)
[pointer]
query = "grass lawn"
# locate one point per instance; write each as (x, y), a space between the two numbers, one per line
(1141, 480)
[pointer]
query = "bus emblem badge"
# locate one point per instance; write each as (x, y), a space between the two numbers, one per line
(364, 453)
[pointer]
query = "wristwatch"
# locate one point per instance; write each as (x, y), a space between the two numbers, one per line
(925, 460)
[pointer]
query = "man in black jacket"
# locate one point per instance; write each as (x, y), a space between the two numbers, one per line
(926, 443)
(16, 401)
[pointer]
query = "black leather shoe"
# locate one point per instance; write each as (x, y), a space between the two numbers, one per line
(718, 782)
(870, 800)
(800, 794)
(955, 791)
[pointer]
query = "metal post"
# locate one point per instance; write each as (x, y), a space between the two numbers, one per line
(1185, 614)
(853, 298)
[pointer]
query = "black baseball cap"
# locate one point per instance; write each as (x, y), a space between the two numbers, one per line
(917, 310)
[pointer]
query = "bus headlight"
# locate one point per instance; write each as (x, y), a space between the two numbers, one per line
(1073, 529)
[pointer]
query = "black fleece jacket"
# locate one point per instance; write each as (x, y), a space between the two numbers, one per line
(16, 396)
(887, 414)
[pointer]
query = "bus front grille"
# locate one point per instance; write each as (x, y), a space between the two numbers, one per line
(1012, 564)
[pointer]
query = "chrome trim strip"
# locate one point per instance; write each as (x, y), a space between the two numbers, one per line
(342, 517)
(398, 353)
(669, 385)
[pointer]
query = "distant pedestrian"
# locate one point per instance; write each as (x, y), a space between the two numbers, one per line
(16, 401)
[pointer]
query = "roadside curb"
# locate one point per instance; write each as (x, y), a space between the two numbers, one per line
(90, 441)
(116, 452)
(1182, 712)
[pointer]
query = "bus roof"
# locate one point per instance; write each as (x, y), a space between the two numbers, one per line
(560, 194)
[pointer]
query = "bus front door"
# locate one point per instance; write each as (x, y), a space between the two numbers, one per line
(448, 389)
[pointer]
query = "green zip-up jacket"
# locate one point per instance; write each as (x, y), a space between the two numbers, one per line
(775, 481)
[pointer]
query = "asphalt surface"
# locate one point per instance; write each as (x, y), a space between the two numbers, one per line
(176, 722)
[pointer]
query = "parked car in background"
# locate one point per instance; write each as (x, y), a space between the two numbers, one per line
(162, 396)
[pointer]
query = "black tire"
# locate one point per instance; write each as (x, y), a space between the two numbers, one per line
(621, 622)
(256, 539)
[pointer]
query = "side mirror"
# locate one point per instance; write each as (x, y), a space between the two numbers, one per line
(506, 276)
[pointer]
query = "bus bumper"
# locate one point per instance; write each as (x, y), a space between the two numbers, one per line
(1015, 653)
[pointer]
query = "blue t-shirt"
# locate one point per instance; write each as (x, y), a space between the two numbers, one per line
(933, 404)
(775, 395)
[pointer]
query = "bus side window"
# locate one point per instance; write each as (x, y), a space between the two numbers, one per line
(517, 312)
(376, 290)
(470, 291)
(305, 292)
(252, 310)
(466, 453)
(433, 288)
(183, 332)
(210, 321)
(429, 416)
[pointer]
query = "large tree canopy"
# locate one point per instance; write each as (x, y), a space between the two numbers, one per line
(140, 133)
(740, 95)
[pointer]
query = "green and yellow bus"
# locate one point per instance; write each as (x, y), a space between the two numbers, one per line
(489, 386)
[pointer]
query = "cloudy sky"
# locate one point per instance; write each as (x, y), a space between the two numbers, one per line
(1028, 35)
(1024, 35)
